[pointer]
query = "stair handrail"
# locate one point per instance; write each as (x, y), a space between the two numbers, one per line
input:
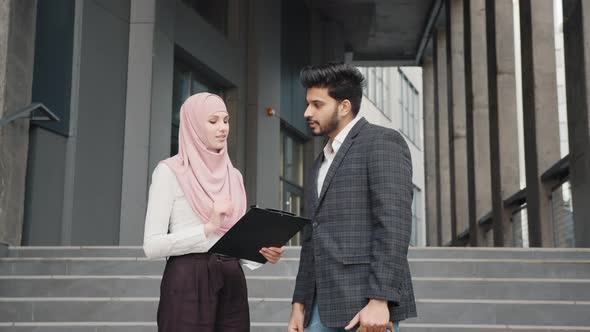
(36, 112)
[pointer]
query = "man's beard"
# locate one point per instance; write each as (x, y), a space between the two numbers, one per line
(330, 125)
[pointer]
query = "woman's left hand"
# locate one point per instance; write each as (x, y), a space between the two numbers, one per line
(272, 254)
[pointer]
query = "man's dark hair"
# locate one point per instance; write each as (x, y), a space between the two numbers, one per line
(343, 81)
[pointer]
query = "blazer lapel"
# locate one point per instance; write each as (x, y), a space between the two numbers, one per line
(314, 180)
(338, 160)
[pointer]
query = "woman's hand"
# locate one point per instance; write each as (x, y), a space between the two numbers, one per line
(220, 210)
(272, 254)
(223, 207)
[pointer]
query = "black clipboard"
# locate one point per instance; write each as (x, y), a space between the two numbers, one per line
(258, 228)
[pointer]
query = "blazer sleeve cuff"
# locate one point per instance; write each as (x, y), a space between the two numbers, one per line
(298, 297)
(389, 294)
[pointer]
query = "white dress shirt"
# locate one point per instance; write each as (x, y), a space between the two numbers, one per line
(171, 226)
(330, 151)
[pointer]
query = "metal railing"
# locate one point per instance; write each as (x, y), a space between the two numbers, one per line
(36, 112)
(557, 179)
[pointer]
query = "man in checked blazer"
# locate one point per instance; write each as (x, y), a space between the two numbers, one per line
(353, 269)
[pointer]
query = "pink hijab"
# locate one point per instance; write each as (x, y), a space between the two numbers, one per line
(206, 176)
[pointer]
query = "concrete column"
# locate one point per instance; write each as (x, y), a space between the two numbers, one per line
(444, 173)
(264, 73)
(92, 201)
(142, 80)
(457, 119)
(576, 15)
(540, 113)
(137, 120)
(150, 56)
(478, 124)
(428, 86)
(17, 50)
(235, 98)
(502, 111)
(162, 82)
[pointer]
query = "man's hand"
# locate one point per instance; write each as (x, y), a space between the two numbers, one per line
(297, 316)
(374, 317)
(272, 254)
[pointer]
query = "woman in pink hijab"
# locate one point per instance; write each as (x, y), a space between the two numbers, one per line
(194, 198)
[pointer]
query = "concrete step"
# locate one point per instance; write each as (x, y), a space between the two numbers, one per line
(76, 251)
(275, 310)
(493, 312)
(269, 327)
(80, 266)
(293, 252)
(99, 251)
(79, 327)
(120, 286)
(500, 253)
(409, 327)
(435, 268)
(113, 309)
(115, 266)
(100, 289)
(282, 287)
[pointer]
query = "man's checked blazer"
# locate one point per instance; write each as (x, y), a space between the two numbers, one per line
(355, 247)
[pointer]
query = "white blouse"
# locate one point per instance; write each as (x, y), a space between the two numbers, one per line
(171, 226)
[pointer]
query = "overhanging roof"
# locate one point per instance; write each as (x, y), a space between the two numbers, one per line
(383, 32)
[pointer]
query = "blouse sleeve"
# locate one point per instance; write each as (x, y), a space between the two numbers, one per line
(157, 242)
(250, 264)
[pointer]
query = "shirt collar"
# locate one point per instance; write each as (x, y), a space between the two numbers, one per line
(339, 139)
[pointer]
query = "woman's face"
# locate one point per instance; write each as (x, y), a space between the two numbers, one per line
(217, 128)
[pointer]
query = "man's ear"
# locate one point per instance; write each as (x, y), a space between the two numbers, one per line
(345, 107)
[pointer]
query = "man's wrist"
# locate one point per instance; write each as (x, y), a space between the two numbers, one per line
(298, 306)
(378, 301)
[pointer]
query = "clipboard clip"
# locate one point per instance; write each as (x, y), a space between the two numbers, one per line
(283, 212)
(255, 206)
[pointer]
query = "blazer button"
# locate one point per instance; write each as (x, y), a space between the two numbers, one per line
(315, 224)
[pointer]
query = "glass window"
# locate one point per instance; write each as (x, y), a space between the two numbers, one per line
(363, 71)
(411, 115)
(292, 160)
(417, 119)
(386, 94)
(406, 108)
(410, 109)
(562, 216)
(377, 88)
(291, 176)
(371, 86)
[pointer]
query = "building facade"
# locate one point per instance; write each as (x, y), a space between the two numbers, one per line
(116, 72)
(393, 99)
